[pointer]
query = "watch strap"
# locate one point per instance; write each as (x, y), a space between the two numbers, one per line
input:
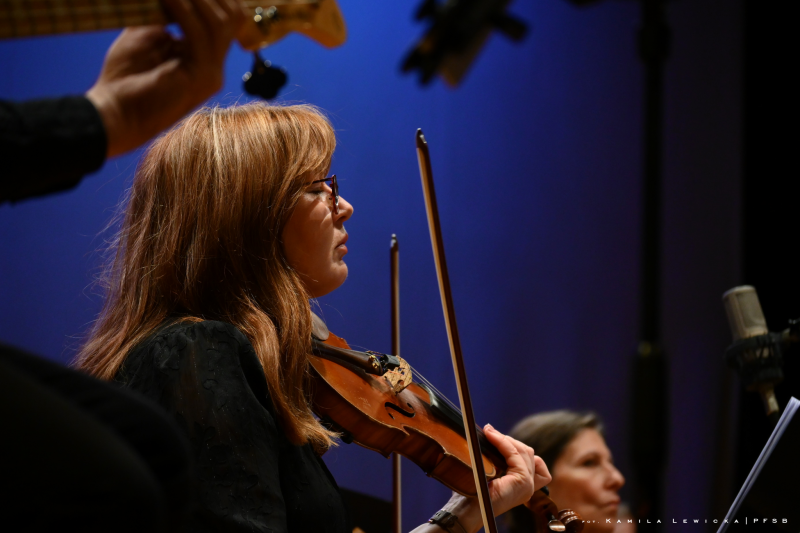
(447, 521)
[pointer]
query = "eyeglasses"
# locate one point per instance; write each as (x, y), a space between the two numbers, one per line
(334, 185)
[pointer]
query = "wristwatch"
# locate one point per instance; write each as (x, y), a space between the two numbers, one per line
(448, 522)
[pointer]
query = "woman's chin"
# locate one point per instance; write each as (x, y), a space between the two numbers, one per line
(600, 522)
(600, 526)
(317, 289)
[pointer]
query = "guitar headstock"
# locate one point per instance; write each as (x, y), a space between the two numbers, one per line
(458, 30)
(320, 20)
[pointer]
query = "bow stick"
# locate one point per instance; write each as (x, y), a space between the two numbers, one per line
(394, 274)
(481, 485)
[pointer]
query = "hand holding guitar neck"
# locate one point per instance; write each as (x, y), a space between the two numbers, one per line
(150, 78)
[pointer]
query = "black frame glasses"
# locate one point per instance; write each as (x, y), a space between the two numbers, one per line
(334, 185)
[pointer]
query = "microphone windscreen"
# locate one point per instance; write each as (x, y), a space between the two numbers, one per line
(744, 312)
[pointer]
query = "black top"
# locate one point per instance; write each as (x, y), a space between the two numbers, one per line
(250, 477)
(48, 145)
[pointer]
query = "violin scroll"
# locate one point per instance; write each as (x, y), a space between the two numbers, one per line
(548, 517)
(573, 522)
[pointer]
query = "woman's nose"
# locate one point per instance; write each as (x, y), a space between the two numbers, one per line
(615, 478)
(345, 210)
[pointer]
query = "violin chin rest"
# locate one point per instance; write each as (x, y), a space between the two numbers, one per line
(318, 328)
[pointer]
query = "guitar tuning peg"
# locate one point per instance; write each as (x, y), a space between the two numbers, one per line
(265, 79)
(512, 27)
(427, 64)
(428, 8)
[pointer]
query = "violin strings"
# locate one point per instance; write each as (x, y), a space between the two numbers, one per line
(422, 379)
(442, 395)
(436, 391)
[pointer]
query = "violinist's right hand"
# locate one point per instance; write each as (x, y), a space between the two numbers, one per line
(526, 474)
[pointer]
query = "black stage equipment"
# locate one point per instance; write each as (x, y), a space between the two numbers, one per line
(264, 79)
(650, 400)
(458, 29)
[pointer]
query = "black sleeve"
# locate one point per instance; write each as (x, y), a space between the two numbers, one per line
(64, 467)
(48, 145)
(201, 374)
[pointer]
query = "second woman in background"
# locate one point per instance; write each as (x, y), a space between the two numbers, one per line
(584, 476)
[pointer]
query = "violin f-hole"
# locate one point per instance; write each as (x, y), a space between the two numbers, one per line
(408, 414)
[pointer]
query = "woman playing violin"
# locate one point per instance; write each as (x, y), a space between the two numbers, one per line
(231, 227)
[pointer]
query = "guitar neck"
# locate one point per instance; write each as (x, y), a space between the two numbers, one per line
(26, 18)
(320, 20)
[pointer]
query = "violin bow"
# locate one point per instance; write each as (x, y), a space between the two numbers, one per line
(478, 471)
(394, 275)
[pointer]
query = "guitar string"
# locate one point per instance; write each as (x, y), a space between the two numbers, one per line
(117, 10)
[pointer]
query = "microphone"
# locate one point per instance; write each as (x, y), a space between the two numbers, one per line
(755, 352)
(744, 312)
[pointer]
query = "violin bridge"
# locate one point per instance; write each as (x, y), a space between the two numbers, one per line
(401, 377)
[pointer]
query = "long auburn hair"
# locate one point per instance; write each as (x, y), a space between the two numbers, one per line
(201, 240)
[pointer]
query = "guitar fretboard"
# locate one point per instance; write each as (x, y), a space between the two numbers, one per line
(319, 19)
(24, 18)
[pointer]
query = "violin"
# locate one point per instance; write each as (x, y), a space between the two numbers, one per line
(372, 399)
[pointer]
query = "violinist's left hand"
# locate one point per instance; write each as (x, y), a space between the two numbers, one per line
(526, 474)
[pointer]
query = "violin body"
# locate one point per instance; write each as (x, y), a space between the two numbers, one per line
(365, 407)
(409, 423)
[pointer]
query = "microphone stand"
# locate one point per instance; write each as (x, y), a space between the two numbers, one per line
(650, 395)
(649, 388)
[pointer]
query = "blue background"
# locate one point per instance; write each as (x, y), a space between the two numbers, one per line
(537, 159)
